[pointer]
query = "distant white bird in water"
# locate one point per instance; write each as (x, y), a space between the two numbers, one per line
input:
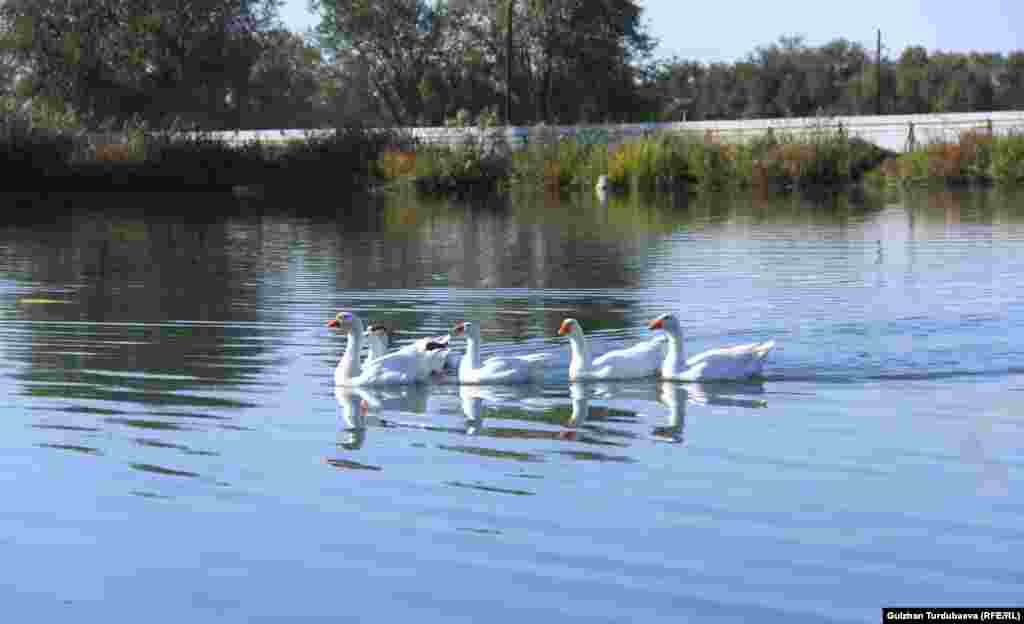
(601, 188)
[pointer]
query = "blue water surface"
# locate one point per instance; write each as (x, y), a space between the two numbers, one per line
(172, 447)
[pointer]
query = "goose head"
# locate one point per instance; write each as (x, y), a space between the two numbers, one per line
(570, 327)
(347, 321)
(466, 329)
(667, 322)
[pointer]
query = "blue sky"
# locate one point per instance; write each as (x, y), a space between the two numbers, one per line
(727, 31)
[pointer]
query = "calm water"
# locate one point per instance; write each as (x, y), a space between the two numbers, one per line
(172, 446)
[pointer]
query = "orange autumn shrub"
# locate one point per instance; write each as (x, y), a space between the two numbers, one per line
(113, 152)
(398, 163)
(944, 160)
(796, 158)
(759, 175)
(552, 174)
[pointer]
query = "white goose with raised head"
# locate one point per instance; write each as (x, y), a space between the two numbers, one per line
(395, 368)
(727, 364)
(640, 360)
(495, 370)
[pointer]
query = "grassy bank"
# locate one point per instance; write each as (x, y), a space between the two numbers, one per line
(44, 159)
(657, 162)
(975, 157)
(359, 158)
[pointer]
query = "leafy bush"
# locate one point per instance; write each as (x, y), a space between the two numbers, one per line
(460, 169)
(28, 152)
(349, 156)
(1007, 165)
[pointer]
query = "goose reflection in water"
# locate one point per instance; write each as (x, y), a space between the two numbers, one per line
(583, 393)
(676, 395)
(363, 407)
(352, 413)
(359, 408)
(542, 418)
(724, 393)
(473, 397)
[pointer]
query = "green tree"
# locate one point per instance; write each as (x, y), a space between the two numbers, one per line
(154, 58)
(400, 41)
(1010, 93)
(580, 58)
(573, 59)
(912, 84)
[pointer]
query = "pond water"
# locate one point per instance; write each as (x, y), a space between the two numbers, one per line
(172, 444)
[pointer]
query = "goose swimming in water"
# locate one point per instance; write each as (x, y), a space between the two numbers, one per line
(728, 364)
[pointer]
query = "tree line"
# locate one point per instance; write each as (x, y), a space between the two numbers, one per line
(232, 64)
(792, 79)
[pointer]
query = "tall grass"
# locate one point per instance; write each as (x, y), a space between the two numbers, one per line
(466, 169)
(975, 157)
(661, 161)
(817, 158)
(477, 164)
(657, 162)
(556, 162)
(1007, 165)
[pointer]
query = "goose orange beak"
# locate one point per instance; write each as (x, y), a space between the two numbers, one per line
(656, 324)
(333, 323)
(565, 328)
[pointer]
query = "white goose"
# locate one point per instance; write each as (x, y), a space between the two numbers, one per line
(640, 360)
(728, 364)
(395, 368)
(433, 351)
(496, 370)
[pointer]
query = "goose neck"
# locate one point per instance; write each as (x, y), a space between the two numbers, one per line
(674, 356)
(580, 350)
(349, 364)
(472, 357)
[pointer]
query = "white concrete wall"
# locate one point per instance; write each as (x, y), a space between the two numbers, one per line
(888, 131)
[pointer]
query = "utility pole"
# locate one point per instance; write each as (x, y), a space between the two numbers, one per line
(878, 74)
(508, 63)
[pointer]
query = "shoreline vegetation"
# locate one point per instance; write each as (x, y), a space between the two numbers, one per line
(663, 161)
(357, 158)
(154, 69)
(42, 158)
